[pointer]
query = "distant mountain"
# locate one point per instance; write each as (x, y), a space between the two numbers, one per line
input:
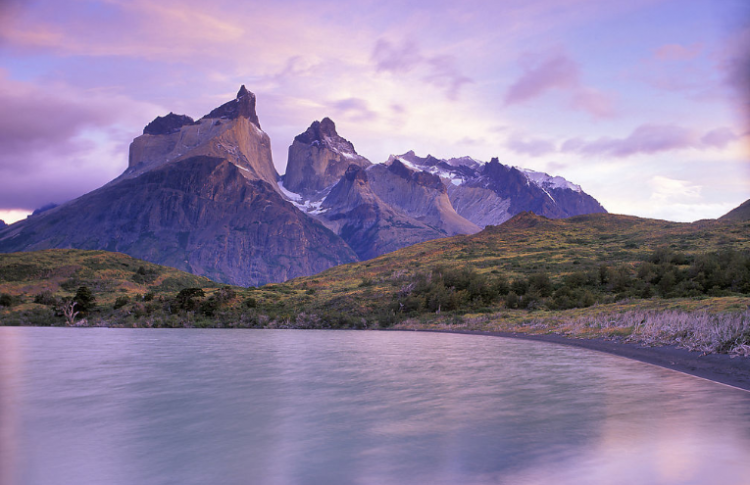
(492, 193)
(203, 196)
(740, 213)
(200, 196)
(377, 208)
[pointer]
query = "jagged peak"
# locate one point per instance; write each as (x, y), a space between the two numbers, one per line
(318, 131)
(242, 106)
(164, 125)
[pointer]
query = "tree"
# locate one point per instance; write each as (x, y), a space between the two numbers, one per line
(84, 299)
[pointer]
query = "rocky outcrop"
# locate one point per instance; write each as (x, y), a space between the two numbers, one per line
(3, 225)
(318, 158)
(231, 131)
(200, 215)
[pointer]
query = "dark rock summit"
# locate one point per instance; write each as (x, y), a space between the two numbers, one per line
(165, 125)
(242, 106)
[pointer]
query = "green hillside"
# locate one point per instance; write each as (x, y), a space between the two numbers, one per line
(596, 275)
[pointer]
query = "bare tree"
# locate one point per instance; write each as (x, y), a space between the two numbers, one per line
(68, 309)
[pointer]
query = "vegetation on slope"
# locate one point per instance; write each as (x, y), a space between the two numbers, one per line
(596, 275)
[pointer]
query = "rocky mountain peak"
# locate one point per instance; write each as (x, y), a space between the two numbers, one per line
(320, 131)
(3, 224)
(165, 125)
(242, 106)
(318, 158)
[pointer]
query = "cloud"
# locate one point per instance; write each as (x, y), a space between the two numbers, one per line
(439, 71)
(594, 102)
(719, 138)
(356, 109)
(534, 147)
(558, 72)
(59, 143)
(677, 52)
(389, 57)
(666, 189)
(650, 139)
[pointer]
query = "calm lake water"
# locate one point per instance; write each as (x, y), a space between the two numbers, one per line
(119, 406)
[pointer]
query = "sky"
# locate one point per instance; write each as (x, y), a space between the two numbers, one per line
(644, 103)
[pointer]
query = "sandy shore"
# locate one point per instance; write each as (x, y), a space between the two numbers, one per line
(716, 367)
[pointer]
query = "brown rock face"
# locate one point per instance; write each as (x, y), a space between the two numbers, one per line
(318, 158)
(200, 215)
(419, 194)
(231, 131)
(369, 225)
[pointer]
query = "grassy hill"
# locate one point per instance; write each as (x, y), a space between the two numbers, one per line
(596, 275)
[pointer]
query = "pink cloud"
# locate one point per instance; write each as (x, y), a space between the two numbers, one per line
(594, 102)
(558, 72)
(678, 52)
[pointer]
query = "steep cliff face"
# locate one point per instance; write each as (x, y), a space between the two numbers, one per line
(318, 158)
(231, 131)
(200, 215)
(419, 194)
(370, 226)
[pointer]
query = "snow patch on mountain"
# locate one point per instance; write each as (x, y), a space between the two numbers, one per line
(546, 181)
(311, 206)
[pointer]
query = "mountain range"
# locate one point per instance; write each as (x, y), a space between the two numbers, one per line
(204, 196)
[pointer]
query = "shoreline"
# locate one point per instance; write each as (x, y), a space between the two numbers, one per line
(720, 368)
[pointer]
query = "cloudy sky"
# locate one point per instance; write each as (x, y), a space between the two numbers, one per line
(644, 103)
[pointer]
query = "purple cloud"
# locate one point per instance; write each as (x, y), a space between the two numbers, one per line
(356, 109)
(719, 138)
(58, 144)
(650, 139)
(558, 72)
(390, 57)
(534, 147)
(439, 71)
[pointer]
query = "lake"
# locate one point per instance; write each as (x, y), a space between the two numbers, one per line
(148, 406)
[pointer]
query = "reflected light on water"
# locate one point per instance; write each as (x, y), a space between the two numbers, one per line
(91, 406)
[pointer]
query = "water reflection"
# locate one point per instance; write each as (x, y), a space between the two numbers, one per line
(290, 407)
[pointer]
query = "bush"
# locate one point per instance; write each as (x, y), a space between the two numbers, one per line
(121, 301)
